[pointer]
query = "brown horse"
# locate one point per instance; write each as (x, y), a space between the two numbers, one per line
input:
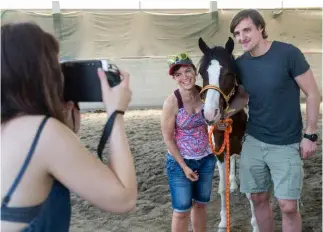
(220, 85)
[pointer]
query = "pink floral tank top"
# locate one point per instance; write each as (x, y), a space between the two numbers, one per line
(190, 134)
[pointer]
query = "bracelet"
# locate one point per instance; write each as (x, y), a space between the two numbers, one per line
(107, 131)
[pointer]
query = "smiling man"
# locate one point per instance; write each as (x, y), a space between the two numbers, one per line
(273, 73)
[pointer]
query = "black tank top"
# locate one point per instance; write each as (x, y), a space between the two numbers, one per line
(52, 215)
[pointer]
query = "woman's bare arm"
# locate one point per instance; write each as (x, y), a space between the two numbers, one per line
(168, 126)
(111, 188)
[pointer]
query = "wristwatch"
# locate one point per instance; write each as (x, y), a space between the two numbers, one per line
(312, 137)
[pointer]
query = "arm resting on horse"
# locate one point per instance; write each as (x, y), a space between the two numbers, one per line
(239, 101)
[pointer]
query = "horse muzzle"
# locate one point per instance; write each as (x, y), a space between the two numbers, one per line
(215, 118)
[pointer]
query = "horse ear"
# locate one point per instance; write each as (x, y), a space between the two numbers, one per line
(229, 46)
(203, 47)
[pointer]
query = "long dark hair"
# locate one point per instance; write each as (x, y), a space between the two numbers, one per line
(31, 81)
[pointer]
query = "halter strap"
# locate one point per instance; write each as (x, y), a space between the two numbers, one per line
(226, 97)
(179, 99)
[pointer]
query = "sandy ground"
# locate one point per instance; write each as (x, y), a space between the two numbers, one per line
(153, 212)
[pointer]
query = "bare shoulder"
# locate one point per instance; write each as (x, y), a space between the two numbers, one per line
(170, 104)
(55, 134)
(28, 126)
(60, 141)
(56, 127)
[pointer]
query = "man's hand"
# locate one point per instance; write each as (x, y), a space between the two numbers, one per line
(239, 101)
(308, 148)
(230, 113)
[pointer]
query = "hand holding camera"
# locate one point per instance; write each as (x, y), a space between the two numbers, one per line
(117, 97)
(81, 83)
(93, 81)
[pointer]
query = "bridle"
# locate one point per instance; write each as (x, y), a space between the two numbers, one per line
(226, 97)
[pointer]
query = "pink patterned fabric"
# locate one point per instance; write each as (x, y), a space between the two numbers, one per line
(191, 135)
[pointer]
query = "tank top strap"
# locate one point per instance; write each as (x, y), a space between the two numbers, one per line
(199, 88)
(179, 99)
(6, 199)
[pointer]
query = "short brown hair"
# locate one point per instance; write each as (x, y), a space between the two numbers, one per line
(31, 80)
(254, 15)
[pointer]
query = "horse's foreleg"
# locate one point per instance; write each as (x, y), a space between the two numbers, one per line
(233, 178)
(221, 191)
(253, 216)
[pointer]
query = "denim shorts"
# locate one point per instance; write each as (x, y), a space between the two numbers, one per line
(263, 164)
(182, 190)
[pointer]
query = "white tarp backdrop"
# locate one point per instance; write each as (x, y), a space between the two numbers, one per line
(140, 41)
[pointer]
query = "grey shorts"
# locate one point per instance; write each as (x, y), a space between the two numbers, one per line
(263, 164)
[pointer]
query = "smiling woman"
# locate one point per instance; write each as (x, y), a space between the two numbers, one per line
(190, 163)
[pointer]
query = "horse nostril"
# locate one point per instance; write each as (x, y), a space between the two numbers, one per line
(210, 123)
(216, 112)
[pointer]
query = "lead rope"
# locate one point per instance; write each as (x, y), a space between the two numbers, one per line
(226, 144)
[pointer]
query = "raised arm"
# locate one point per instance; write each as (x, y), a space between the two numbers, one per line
(109, 187)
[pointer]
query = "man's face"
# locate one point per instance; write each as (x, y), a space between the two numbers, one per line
(247, 34)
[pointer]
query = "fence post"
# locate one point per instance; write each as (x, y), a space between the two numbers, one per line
(56, 13)
(213, 10)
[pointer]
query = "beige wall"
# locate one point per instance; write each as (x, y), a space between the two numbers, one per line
(149, 78)
(301, 27)
(151, 84)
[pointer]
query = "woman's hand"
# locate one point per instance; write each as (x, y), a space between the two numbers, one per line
(192, 176)
(72, 116)
(118, 97)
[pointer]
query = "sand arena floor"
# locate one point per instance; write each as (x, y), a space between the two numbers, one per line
(153, 211)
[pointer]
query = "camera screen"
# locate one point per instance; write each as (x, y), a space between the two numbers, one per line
(81, 82)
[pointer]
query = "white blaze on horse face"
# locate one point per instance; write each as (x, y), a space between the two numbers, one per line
(211, 107)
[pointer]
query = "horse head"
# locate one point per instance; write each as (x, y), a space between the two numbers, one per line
(218, 70)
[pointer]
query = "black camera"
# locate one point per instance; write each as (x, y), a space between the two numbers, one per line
(81, 81)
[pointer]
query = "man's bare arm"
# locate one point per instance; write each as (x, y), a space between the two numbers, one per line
(307, 84)
(239, 101)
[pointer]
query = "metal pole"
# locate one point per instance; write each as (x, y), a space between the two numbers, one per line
(56, 13)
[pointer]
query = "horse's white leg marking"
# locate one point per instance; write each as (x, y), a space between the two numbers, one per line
(221, 191)
(212, 96)
(253, 216)
(233, 178)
